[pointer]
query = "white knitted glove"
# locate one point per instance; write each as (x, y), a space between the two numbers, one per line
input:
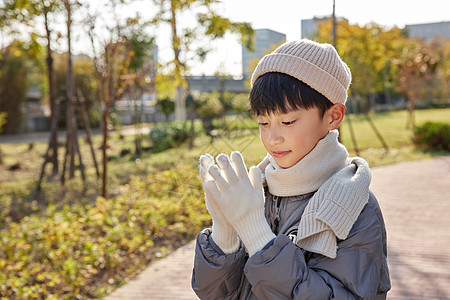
(241, 200)
(223, 233)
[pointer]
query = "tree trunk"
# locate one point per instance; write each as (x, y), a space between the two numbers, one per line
(51, 92)
(69, 96)
(377, 133)
(138, 113)
(71, 124)
(109, 100)
(104, 151)
(411, 105)
(180, 104)
(55, 120)
(190, 102)
(411, 120)
(87, 128)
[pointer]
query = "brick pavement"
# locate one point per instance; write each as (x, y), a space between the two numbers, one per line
(415, 200)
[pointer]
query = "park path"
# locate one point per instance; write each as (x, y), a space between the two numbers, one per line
(415, 200)
(44, 136)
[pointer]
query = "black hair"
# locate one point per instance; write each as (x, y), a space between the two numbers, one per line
(276, 92)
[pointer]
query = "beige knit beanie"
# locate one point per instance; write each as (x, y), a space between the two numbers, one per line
(317, 65)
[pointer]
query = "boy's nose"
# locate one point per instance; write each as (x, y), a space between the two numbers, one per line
(274, 138)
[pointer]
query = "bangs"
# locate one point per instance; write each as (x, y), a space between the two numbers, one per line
(279, 93)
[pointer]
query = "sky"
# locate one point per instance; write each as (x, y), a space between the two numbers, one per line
(285, 16)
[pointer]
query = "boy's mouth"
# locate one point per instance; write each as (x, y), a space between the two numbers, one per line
(279, 154)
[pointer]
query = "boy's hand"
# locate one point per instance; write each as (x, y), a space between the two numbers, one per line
(240, 199)
(223, 233)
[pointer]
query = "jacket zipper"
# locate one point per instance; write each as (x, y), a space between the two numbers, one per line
(276, 221)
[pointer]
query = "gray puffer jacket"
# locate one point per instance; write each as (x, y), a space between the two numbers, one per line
(282, 270)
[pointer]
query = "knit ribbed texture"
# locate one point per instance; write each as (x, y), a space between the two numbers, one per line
(254, 231)
(223, 233)
(225, 237)
(238, 195)
(317, 65)
(339, 200)
(334, 208)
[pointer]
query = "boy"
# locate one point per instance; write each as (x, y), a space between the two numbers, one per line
(314, 231)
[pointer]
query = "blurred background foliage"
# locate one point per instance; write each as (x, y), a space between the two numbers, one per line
(69, 241)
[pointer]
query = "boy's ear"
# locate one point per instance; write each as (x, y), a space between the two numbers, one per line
(335, 115)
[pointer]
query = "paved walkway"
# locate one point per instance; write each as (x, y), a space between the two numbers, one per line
(44, 136)
(415, 200)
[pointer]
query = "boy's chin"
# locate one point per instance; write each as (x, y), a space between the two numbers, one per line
(285, 164)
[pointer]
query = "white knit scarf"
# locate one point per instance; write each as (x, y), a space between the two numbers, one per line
(342, 190)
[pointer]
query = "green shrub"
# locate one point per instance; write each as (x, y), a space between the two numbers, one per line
(433, 136)
(160, 138)
(84, 252)
(166, 136)
(208, 105)
(240, 103)
(180, 133)
(166, 106)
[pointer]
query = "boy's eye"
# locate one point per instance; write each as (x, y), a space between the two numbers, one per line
(263, 124)
(288, 123)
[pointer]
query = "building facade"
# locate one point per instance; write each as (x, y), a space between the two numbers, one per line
(309, 27)
(264, 41)
(429, 31)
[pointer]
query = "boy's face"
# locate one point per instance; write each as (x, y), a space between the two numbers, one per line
(290, 137)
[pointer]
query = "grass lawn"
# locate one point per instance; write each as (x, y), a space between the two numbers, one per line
(245, 139)
(392, 127)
